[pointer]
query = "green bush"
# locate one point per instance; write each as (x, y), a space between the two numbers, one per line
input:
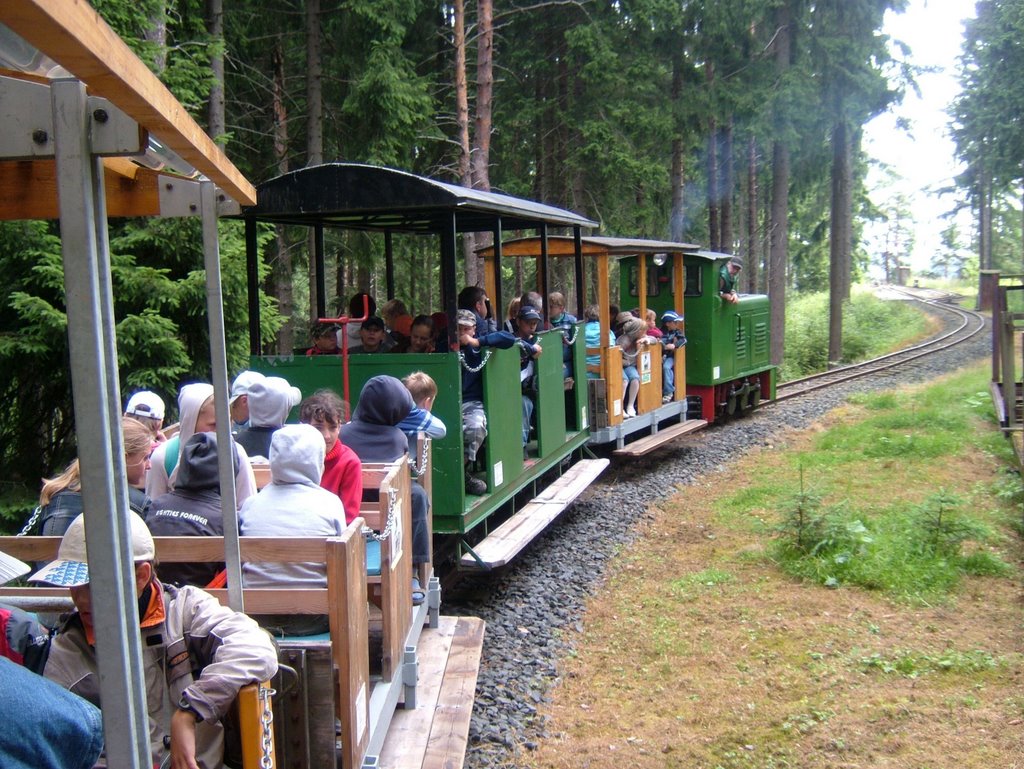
(871, 327)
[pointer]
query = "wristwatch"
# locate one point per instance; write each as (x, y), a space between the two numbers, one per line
(185, 704)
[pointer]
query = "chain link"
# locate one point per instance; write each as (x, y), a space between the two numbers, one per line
(31, 522)
(267, 725)
(389, 525)
(418, 471)
(470, 369)
(575, 332)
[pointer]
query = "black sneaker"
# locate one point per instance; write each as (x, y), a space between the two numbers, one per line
(475, 486)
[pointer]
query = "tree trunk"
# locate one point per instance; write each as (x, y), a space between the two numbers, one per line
(725, 192)
(481, 155)
(752, 268)
(281, 275)
(714, 230)
(677, 221)
(778, 255)
(216, 124)
(314, 127)
(462, 129)
(839, 238)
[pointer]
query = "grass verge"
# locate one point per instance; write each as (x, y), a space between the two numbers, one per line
(712, 647)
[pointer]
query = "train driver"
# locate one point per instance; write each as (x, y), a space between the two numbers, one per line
(727, 280)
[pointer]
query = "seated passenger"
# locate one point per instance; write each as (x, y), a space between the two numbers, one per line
(60, 500)
(653, 331)
(47, 727)
(343, 473)
(566, 323)
(423, 389)
(474, 299)
(440, 331)
(672, 339)
(361, 305)
(238, 399)
(325, 339)
(529, 351)
(536, 301)
(632, 338)
(397, 321)
(592, 338)
(270, 400)
(474, 418)
(421, 336)
(197, 415)
(373, 338)
(188, 693)
(374, 436)
(293, 504)
(147, 408)
(510, 324)
(192, 509)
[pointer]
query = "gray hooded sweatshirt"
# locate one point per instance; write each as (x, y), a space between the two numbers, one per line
(292, 505)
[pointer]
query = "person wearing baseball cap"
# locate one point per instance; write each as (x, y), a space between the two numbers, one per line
(727, 280)
(529, 350)
(148, 408)
(47, 727)
(474, 418)
(183, 630)
(672, 339)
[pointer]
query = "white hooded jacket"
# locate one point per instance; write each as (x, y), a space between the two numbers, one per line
(292, 505)
(191, 398)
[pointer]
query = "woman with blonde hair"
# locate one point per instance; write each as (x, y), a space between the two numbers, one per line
(60, 500)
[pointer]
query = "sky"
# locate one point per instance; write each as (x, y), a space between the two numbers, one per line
(922, 158)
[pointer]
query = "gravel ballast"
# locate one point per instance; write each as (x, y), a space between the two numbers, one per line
(533, 608)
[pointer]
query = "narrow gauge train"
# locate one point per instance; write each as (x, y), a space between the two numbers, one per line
(569, 413)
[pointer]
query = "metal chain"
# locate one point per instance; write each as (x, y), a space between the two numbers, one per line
(267, 724)
(31, 522)
(418, 471)
(470, 369)
(575, 332)
(389, 525)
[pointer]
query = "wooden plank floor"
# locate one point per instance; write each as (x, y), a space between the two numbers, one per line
(435, 734)
(506, 541)
(660, 438)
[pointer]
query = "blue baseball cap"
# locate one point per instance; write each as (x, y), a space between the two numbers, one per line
(671, 316)
(529, 312)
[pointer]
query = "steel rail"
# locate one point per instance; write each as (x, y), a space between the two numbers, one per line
(812, 383)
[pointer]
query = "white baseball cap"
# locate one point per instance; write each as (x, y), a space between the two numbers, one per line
(145, 404)
(11, 568)
(242, 383)
(71, 569)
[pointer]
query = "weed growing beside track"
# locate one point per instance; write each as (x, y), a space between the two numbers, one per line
(713, 646)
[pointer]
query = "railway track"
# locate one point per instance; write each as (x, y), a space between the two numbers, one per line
(967, 324)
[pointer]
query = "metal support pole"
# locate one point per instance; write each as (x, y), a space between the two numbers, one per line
(449, 292)
(252, 275)
(219, 370)
(321, 277)
(543, 276)
(581, 289)
(389, 264)
(498, 300)
(96, 393)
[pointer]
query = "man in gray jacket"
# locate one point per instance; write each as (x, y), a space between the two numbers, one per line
(196, 653)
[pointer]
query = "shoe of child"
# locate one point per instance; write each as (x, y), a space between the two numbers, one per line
(666, 399)
(630, 413)
(475, 486)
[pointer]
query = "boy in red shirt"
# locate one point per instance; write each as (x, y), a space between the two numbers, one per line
(343, 474)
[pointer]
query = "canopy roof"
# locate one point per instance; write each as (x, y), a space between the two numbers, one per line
(357, 196)
(596, 245)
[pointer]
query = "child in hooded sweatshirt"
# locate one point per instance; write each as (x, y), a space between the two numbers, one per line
(343, 473)
(192, 509)
(374, 436)
(293, 504)
(196, 415)
(270, 400)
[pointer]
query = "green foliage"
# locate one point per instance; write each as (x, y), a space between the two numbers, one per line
(913, 664)
(871, 327)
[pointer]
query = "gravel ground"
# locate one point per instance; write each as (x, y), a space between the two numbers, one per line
(543, 592)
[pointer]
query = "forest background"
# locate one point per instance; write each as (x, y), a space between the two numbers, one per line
(735, 124)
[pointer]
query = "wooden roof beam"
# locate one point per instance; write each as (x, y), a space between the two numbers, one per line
(71, 33)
